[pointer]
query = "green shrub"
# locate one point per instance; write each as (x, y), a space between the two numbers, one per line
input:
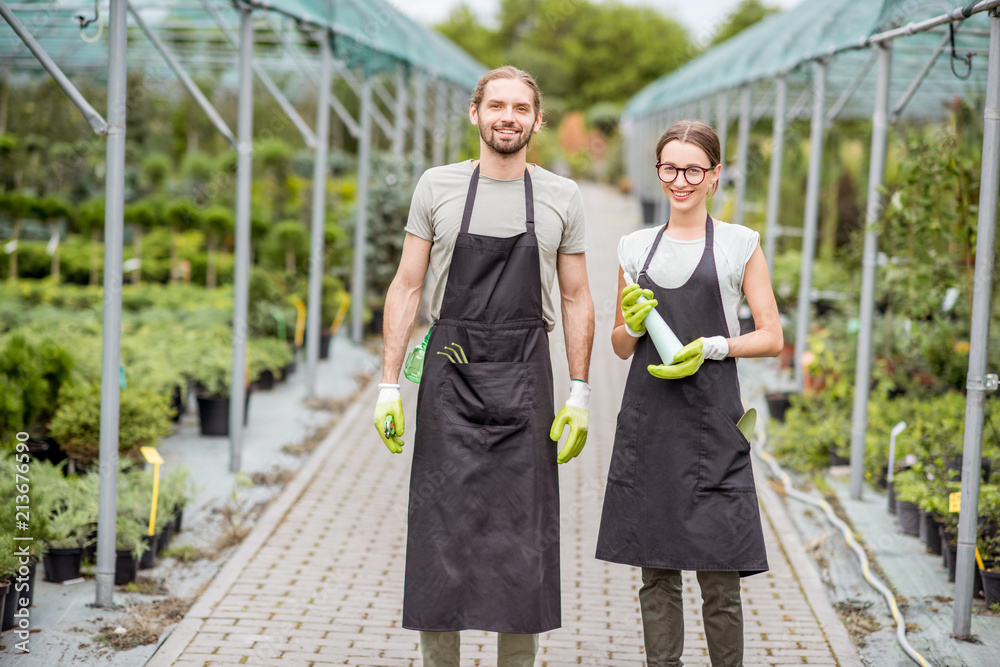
(144, 418)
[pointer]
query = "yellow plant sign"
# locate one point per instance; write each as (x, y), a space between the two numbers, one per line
(954, 501)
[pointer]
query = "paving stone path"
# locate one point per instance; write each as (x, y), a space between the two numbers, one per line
(320, 579)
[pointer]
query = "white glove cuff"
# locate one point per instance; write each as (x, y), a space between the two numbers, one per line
(579, 395)
(716, 348)
(387, 392)
(634, 334)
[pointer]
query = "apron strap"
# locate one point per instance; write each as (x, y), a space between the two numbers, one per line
(470, 201)
(709, 242)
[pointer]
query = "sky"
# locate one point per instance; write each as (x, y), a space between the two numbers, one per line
(700, 17)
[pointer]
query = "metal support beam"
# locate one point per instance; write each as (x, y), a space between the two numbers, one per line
(355, 83)
(457, 117)
(876, 174)
(812, 217)
(419, 123)
(441, 113)
(774, 180)
(722, 127)
(742, 149)
(358, 287)
(241, 270)
(982, 298)
(845, 96)
(897, 110)
(94, 119)
(345, 116)
(296, 55)
(114, 206)
(317, 247)
(185, 78)
(307, 134)
(399, 134)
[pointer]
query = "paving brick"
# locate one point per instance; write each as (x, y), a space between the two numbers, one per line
(325, 587)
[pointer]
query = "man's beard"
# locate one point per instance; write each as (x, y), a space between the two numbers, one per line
(499, 146)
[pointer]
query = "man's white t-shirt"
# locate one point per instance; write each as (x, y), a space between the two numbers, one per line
(675, 261)
(439, 201)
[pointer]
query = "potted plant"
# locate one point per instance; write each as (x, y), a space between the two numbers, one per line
(210, 373)
(268, 357)
(988, 544)
(911, 488)
(144, 418)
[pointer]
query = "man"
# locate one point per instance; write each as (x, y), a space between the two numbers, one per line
(483, 532)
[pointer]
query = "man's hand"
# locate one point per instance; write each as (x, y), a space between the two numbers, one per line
(635, 311)
(686, 362)
(389, 417)
(576, 415)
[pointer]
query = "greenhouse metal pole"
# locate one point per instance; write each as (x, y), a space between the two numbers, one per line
(876, 174)
(812, 217)
(742, 148)
(455, 120)
(774, 179)
(419, 124)
(440, 127)
(317, 249)
(722, 128)
(241, 270)
(361, 225)
(399, 136)
(978, 381)
(114, 198)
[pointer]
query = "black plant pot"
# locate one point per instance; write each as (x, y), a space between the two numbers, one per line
(777, 405)
(177, 406)
(951, 554)
(62, 564)
(838, 460)
(213, 413)
(908, 516)
(12, 604)
(125, 567)
(148, 559)
(921, 524)
(265, 381)
(932, 535)
(178, 519)
(991, 586)
(324, 344)
(4, 587)
(891, 489)
(164, 536)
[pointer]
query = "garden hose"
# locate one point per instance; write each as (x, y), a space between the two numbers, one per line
(849, 537)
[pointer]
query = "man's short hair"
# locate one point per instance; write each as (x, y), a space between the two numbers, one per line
(508, 72)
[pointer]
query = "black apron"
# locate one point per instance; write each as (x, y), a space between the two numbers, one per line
(680, 492)
(482, 549)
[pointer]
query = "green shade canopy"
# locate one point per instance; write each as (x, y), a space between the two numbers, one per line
(838, 31)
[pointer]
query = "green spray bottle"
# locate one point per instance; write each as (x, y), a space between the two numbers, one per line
(414, 366)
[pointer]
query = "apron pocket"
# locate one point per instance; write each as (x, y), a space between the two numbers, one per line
(724, 454)
(486, 402)
(625, 452)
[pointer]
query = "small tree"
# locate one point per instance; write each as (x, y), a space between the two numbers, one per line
(292, 238)
(53, 210)
(90, 218)
(217, 221)
(141, 215)
(15, 206)
(180, 214)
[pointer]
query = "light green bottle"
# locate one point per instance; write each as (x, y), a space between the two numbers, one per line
(414, 366)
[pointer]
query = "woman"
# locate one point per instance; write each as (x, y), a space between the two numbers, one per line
(680, 493)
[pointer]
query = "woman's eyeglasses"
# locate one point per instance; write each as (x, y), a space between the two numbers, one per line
(668, 173)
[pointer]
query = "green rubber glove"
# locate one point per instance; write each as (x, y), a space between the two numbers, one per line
(576, 415)
(635, 311)
(686, 362)
(389, 417)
